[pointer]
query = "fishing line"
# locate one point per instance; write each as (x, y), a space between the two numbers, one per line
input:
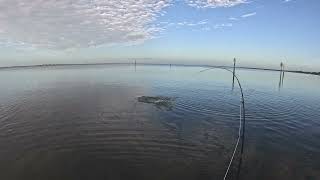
(242, 121)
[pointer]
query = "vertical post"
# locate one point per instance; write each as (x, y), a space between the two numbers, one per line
(281, 69)
(234, 72)
(135, 65)
(282, 74)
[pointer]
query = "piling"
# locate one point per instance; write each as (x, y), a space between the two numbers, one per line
(234, 72)
(283, 69)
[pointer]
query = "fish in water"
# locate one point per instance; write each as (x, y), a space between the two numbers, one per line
(159, 101)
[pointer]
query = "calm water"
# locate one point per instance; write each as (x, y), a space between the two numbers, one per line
(84, 122)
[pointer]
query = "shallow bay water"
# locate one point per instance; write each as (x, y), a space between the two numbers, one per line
(85, 122)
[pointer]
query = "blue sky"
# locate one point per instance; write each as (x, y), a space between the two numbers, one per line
(258, 33)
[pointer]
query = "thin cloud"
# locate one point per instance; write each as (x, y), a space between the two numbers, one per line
(214, 3)
(233, 19)
(249, 15)
(185, 23)
(79, 23)
(223, 25)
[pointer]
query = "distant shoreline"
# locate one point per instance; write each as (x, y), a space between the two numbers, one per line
(266, 69)
(87, 64)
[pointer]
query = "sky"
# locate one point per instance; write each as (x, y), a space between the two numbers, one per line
(258, 33)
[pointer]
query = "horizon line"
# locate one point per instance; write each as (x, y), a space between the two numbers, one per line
(155, 64)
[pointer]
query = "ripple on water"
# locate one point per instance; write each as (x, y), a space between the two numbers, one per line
(129, 131)
(94, 126)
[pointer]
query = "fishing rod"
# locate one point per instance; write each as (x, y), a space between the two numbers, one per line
(242, 122)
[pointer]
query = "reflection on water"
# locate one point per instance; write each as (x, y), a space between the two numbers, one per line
(281, 80)
(86, 123)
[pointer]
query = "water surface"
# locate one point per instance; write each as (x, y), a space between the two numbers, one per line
(84, 122)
